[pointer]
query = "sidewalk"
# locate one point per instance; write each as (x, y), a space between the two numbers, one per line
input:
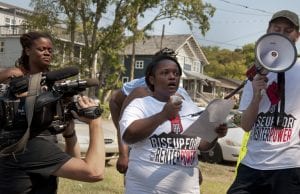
(108, 123)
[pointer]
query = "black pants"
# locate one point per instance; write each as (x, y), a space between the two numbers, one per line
(252, 181)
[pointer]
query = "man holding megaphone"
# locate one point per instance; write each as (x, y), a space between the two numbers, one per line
(272, 161)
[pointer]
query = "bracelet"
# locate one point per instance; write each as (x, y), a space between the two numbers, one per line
(70, 135)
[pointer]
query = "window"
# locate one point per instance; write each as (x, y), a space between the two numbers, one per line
(2, 46)
(7, 21)
(187, 67)
(125, 79)
(139, 65)
(7, 29)
(196, 66)
(77, 51)
(208, 89)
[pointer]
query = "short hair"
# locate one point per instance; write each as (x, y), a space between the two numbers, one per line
(163, 54)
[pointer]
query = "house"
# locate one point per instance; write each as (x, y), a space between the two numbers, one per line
(200, 87)
(11, 17)
(12, 20)
(228, 86)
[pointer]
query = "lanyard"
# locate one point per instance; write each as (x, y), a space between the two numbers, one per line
(279, 115)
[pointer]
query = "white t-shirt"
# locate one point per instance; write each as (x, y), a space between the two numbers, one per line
(164, 162)
(129, 86)
(140, 82)
(270, 148)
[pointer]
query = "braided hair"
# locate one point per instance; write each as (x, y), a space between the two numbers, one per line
(26, 41)
(163, 54)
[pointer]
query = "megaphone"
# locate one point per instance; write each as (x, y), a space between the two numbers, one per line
(274, 52)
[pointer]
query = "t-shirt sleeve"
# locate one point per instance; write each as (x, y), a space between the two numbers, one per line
(43, 156)
(129, 86)
(246, 96)
(132, 112)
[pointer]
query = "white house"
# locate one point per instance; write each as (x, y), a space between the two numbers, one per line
(12, 27)
(11, 18)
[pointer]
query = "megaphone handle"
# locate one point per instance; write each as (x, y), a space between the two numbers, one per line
(263, 92)
(236, 90)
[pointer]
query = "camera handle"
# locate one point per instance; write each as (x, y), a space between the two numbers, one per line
(33, 92)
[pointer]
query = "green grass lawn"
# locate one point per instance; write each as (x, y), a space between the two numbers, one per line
(217, 179)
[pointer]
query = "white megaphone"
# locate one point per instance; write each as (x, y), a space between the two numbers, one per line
(274, 52)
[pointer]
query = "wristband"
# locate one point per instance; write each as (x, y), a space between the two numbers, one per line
(70, 135)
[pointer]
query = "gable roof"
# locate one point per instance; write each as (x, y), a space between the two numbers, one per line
(11, 8)
(193, 75)
(149, 46)
(229, 82)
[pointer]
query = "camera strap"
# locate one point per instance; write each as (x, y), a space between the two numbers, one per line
(33, 92)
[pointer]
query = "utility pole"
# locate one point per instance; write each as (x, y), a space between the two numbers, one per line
(162, 36)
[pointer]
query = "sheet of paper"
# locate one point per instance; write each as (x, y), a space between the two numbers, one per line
(214, 115)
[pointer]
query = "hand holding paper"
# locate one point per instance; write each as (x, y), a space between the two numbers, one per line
(214, 115)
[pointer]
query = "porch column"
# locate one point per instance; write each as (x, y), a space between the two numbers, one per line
(195, 89)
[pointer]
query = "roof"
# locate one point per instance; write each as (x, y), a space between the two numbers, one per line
(229, 83)
(9, 7)
(197, 75)
(149, 46)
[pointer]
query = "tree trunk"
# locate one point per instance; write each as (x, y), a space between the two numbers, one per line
(132, 65)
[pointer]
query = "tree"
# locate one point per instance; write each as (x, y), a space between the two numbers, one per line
(191, 11)
(227, 63)
(103, 44)
(249, 55)
(72, 18)
(47, 17)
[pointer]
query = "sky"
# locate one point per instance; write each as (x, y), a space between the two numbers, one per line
(235, 23)
(238, 22)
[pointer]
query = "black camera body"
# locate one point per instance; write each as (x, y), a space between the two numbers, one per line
(52, 108)
(11, 111)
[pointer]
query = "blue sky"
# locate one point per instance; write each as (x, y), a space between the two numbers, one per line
(236, 22)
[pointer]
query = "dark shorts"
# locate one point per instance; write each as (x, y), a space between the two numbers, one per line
(31, 171)
(252, 181)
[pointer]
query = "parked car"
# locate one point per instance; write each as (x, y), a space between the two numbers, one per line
(227, 147)
(82, 132)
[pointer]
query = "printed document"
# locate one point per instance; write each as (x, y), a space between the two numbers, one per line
(214, 114)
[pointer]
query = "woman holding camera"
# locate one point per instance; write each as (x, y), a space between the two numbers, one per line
(36, 169)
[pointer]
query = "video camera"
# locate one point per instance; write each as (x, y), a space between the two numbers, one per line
(52, 108)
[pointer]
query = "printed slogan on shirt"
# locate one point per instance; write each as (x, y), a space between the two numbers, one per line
(174, 149)
(263, 129)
